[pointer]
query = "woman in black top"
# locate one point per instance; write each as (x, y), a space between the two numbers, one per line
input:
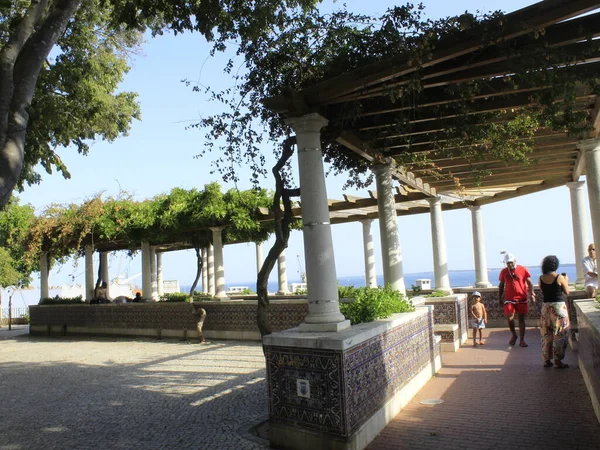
(554, 320)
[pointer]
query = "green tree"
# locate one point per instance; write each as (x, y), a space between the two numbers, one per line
(92, 34)
(15, 223)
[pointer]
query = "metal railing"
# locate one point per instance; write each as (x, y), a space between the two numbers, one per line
(17, 316)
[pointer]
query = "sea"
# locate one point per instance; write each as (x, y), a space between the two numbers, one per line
(458, 278)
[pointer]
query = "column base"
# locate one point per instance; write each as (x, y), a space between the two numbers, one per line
(483, 284)
(335, 327)
(445, 289)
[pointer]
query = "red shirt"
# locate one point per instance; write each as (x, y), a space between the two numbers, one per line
(515, 286)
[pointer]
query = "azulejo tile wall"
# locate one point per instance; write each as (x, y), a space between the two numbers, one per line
(346, 387)
(241, 316)
(588, 349)
(166, 316)
(453, 310)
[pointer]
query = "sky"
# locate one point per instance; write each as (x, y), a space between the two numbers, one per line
(159, 154)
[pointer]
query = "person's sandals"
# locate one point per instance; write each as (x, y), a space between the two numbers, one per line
(561, 366)
(548, 363)
(513, 340)
(480, 343)
(523, 344)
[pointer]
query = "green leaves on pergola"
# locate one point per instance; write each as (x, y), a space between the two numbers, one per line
(178, 220)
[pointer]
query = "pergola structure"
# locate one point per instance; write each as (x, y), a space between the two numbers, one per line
(384, 132)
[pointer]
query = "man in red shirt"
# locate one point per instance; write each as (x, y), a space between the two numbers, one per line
(514, 290)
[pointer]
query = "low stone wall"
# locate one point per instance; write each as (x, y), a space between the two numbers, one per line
(588, 348)
(496, 319)
(338, 390)
(236, 319)
(181, 320)
(229, 319)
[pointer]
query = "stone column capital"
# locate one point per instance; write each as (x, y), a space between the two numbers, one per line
(474, 208)
(589, 145)
(434, 201)
(366, 222)
(382, 168)
(308, 123)
(217, 229)
(575, 185)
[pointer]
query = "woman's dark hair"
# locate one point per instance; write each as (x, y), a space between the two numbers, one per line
(549, 264)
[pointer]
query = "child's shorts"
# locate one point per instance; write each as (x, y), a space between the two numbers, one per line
(478, 323)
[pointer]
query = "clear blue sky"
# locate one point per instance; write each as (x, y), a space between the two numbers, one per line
(158, 155)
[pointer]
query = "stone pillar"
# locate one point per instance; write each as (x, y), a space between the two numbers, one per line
(581, 233)
(323, 305)
(44, 272)
(481, 271)
(159, 275)
(89, 272)
(204, 271)
(591, 150)
(219, 268)
(259, 256)
(211, 270)
(438, 238)
(369, 254)
(391, 254)
(104, 274)
(153, 278)
(282, 275)
(146, 272)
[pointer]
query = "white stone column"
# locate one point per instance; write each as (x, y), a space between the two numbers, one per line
(153, 278)
(104, 275)
(481, 271)
(369, 254)
(438, 238)
(159, 274)
(591, 149)
(89, 272)
(282, 275)
(211, 270)
(204, 271)
(44, 272)
(219, 267)
(391, 254)
(259, 256)
(146, 272)
(323, 305)
(581, 233)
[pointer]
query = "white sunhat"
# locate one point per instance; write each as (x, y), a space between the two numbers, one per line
(476, 294)
(509, 257)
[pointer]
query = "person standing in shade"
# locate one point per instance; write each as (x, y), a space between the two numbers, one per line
(554, 319)
(514, 291)
(590, 270)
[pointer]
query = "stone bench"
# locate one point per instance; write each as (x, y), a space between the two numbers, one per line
(449, 336)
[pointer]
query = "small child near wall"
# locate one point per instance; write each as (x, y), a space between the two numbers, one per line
(480, 317)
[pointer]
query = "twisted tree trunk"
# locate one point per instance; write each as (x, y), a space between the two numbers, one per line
(199, 264)
(283, 220)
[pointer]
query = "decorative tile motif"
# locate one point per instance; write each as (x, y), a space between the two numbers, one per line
(324, 409)
(347, 388)
(588, 349)
(452, 311)
(447, 336)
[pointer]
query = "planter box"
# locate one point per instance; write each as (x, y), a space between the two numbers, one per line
(339, 390)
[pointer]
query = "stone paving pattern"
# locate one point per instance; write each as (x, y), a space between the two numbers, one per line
(91, 393)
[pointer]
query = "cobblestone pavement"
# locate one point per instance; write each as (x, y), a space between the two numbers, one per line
(103, 393)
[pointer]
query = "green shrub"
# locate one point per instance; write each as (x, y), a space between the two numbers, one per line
(175, 297)
(373, 303)
(301, 292)
(199, 297)
(438, 294)
(25, 317)
(416, 290)
(62, 300)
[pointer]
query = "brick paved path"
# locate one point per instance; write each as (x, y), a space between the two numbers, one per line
(102, 393)
(497, 397)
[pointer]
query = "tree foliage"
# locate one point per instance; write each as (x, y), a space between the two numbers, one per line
(310, 47)
(15, 223)
(54, 97)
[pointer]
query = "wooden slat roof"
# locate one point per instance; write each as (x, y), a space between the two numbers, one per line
(461, 181)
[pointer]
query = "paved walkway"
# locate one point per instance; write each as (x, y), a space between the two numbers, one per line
(92, 393)
(497, 397)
